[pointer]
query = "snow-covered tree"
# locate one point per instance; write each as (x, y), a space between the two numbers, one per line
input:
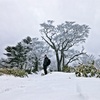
(27, 54)
(85, 59)
(35, 55)
(63, 37)
(73, 55)
(17, 54)
(97, 63)
(2, 64)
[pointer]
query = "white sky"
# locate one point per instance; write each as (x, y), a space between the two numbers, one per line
(22, 18)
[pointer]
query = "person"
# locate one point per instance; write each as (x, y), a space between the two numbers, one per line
(46, 63)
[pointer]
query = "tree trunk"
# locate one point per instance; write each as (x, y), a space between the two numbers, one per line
(58, 61)
(36, 64)
(59, 66)
(63, 60)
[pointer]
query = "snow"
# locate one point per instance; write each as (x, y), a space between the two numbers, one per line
(54, 86)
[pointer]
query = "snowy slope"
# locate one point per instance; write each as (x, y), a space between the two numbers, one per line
(55, 86)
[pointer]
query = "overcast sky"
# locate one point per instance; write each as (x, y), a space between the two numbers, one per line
(22, 18)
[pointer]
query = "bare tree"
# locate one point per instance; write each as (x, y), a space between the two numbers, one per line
(63, 37)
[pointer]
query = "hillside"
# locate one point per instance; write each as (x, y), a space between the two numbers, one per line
(55, 86)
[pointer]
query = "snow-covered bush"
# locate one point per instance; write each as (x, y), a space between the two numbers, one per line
(98, 74)
(87, 71)
(68, 69)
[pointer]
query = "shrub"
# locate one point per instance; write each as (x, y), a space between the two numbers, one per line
(14, 72)
(98, 74)
(28, 71)
(68, 69)
(87, 71)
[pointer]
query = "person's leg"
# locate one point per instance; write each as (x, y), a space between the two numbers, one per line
(45, 70)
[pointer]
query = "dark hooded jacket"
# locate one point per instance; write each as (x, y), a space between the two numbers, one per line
(46, 62)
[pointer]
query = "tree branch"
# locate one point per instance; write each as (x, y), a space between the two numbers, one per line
(72, 58)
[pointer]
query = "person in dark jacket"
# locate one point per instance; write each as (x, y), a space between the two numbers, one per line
(46, 63)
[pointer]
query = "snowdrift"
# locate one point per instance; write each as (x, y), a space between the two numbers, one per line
(54, 86)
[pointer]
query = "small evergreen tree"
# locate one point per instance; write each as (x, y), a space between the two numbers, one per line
(17, 54)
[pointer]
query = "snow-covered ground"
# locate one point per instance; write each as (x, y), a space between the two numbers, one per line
(55, 86)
